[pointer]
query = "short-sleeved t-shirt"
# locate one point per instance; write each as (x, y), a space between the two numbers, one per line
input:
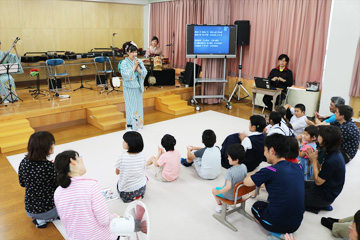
(132, 171)
(235, 174)
(284, 182)
(333, 172)
(209, 162)
(171, 162)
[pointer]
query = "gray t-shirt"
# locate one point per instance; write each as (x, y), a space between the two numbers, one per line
(208, 162)
(235, 174)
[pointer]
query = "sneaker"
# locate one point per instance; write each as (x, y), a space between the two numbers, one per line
(39, 225)
(218, 208)
(185, 163)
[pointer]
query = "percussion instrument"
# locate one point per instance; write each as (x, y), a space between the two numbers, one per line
(157, 63)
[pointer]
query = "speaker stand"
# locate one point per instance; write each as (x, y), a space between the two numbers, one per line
(238, 85)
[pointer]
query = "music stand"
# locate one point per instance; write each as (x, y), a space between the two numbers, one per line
(7, 69)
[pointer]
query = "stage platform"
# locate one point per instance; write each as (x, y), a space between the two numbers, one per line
(45, 114)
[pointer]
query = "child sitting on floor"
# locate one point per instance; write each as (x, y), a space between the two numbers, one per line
(254, 143)
(130, 167)
(307, 140)
(234, 175)
(207, 161)
(167, 163)
(298, 120)
(293, 150)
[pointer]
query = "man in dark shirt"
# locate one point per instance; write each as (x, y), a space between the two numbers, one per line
(279, 77)
(284, 181)
(349, 131)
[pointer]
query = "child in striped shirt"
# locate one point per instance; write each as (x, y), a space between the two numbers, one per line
(130, 167)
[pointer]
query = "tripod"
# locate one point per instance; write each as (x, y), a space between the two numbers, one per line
(238, 85)
(37, 91)
(83, 67)
(10, 68)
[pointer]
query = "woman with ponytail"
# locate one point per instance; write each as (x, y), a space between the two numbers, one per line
(38, 177)
(80, 204)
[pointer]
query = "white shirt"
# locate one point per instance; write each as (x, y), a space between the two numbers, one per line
(298, 124)
(246, 143)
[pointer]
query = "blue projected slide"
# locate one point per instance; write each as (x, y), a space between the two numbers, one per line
(211, 39)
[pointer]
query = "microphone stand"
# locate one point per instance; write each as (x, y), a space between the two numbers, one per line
(172, 49)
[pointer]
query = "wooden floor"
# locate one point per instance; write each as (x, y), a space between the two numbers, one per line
(14, 223)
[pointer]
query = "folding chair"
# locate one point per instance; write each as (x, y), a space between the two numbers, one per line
(103, 70)
(240, 190)
(53, 75)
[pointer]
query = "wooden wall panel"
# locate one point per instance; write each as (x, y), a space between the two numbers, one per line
(7, 7)
(69, 40)
(96, 15)
(68, 14)
(61, 25)
(97, 38)
(36, 14)
(38, 40)
(7, 37)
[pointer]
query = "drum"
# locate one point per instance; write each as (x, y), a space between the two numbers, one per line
(157, 63)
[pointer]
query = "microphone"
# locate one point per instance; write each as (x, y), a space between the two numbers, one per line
(139, 63)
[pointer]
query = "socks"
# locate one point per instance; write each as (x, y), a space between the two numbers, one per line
(333, 219)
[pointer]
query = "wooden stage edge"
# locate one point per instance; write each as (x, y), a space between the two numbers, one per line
(44, 114)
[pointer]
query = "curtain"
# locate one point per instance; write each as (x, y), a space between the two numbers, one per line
(355, 80)
(297, 28)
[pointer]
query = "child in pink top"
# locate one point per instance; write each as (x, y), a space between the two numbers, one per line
(168, 163)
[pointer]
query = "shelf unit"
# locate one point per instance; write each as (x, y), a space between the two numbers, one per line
(208, 80)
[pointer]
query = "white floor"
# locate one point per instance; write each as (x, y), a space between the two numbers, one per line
(183, 209)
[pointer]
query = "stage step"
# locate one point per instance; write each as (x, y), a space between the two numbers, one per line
(173, 104)
(106, 117)
(14, 135)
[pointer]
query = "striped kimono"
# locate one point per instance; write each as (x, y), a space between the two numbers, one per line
(4, 78)
(133, 85)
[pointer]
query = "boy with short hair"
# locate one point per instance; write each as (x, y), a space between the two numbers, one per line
(252, 143)
(298, 120)
(207, 161)
(234, 175)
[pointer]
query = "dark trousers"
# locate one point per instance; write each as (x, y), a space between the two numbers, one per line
(268, 100)
(314, 202)
(229, 140)
(260, 206)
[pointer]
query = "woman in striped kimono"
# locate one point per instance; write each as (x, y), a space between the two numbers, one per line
(133, 73)
(4, 78)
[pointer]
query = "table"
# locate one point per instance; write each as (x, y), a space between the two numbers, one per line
(273, 93)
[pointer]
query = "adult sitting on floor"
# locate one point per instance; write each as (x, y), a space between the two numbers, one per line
(330, 177)
(284, 209)
(335, 102)
(349, 132)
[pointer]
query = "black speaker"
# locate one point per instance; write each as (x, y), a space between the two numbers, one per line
(55, 83)
(243, 32)
(101, 79)
(189, 73)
